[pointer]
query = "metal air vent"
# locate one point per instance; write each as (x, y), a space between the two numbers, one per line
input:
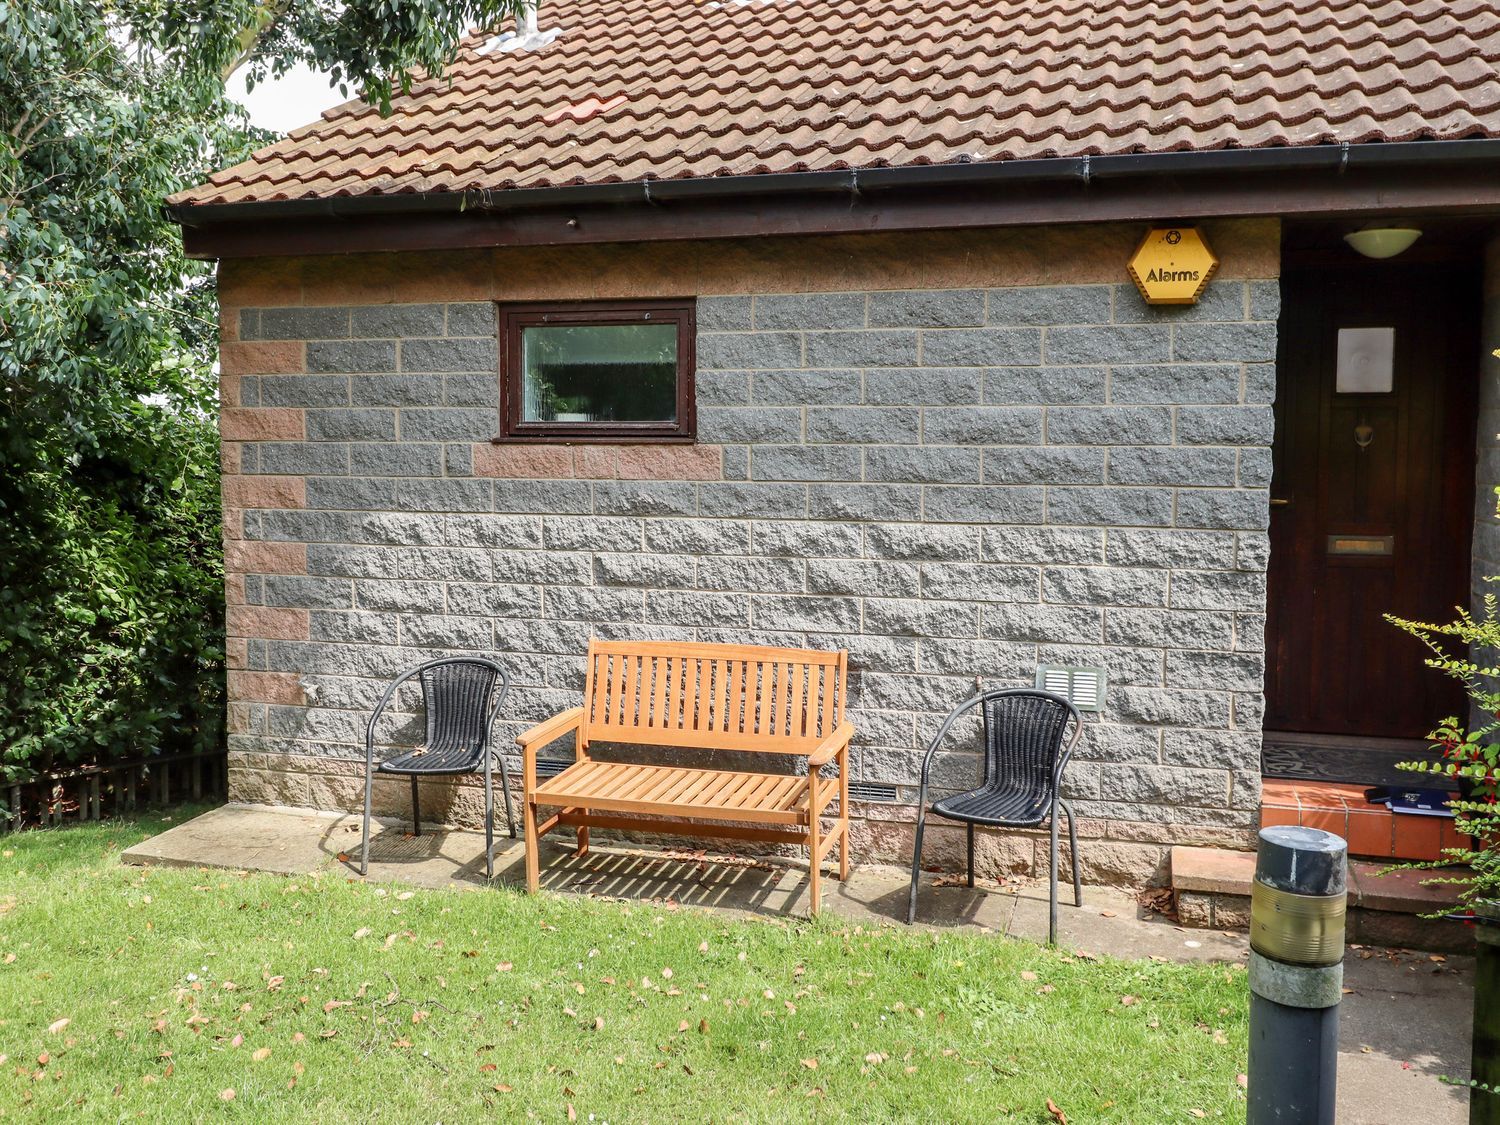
(1083, 687)
(872, 791)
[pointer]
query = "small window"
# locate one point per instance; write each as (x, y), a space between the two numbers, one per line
(597, 371)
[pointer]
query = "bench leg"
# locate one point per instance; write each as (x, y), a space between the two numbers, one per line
(844, 814)
(583, 837)
(815, 868)
(533, 855)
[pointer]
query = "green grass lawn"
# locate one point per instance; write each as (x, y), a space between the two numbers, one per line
(179, 995)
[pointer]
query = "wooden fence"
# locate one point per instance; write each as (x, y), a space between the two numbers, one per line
(83, 793)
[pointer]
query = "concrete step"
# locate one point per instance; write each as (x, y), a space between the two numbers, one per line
(1212, 887)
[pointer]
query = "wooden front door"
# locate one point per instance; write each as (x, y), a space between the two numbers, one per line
(1372, 496)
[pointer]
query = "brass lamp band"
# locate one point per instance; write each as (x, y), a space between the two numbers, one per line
(1298, 929)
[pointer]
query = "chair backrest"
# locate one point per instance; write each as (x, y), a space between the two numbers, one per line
(717, 697)
(459, 697)
(1026, 737)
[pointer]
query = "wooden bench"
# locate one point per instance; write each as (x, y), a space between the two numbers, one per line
(707, 697)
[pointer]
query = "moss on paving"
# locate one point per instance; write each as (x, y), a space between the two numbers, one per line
(186, 994)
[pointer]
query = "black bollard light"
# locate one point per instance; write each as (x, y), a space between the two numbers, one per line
(1297, 905)
(1484, 1102)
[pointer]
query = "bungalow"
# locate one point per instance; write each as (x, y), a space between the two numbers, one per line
(826, 324)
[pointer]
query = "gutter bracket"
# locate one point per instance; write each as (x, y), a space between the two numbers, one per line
(1343, 157)
(1086, 172)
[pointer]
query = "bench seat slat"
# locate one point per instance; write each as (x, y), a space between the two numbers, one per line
(767, 798)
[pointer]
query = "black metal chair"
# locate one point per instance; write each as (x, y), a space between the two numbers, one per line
(1026, 750)
(459, 695)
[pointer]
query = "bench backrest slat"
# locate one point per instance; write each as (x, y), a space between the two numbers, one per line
(719, 697)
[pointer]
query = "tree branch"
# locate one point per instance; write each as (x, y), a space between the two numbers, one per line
(249, 37)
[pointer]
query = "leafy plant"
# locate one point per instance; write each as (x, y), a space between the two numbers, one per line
(1468, 649)
(111, 574)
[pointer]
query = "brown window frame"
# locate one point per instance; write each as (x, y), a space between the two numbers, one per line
(515, 317)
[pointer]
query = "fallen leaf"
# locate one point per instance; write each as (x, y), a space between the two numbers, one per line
(261, 1054)
(43, 1059)
(227, 1095)
(1057, 1115)
(1197, 1113)
(502, 1088)
(598, 1023)
(1107, 914)
(419, 1016)
(1027, 974)
(503, 967)
(1242, 1080)
(1128, 1000)
(362, 932)
(275, 983)
(811, 1064)
(488, 1068)
(58, 1025)
(237, 1041)
(572, 1113)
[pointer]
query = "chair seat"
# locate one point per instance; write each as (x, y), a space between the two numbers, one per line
(996, 807)
(424, 759)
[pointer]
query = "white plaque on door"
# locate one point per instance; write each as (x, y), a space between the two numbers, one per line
(1366, 361)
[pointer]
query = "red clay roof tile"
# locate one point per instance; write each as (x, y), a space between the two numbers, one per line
(664, 89)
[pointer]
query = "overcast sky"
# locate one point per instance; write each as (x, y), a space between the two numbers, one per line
(284, 104)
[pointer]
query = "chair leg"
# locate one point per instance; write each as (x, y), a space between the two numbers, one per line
(1073, 849)
(583, 837)
(916, 866)
(510, 816)
(1052, 885)
(971, 854)
(489, 817)
(416, 817)
(364, 854)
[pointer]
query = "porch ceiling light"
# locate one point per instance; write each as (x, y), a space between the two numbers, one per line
(1382, 242)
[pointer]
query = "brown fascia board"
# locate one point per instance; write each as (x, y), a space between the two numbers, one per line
(1419, 177)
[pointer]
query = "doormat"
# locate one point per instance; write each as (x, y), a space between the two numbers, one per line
(1349, 765)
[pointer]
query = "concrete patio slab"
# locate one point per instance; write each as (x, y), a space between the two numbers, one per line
(1404, 1023)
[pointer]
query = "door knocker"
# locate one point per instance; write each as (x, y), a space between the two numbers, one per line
(1364, 434)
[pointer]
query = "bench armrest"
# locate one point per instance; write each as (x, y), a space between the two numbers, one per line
(828, 749)
(550, 730)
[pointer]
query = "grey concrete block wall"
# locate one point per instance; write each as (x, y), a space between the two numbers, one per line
(954, 484)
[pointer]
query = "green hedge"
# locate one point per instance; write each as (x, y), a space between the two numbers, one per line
(111, 598)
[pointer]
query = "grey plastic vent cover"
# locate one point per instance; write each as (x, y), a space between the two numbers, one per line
(1079, 685)
(872, 791)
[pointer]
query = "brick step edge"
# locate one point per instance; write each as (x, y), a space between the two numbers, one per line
(1212, 887)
